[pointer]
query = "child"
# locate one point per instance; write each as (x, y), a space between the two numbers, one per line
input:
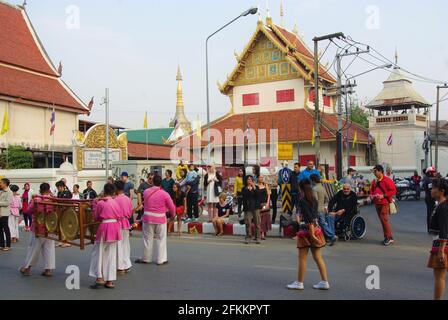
(40, 246)
(15, 207)
(180, 201)
(124, 246)
(103, 264)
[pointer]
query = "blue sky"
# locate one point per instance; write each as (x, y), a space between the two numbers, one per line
(134, 46)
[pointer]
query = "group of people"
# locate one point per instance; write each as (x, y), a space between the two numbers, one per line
(165, 201)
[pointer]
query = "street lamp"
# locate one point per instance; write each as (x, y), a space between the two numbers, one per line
(251, 11)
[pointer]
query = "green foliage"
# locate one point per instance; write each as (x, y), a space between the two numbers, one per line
(16, 157)
(360, 117)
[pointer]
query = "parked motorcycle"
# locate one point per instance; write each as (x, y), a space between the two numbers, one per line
(407, 189)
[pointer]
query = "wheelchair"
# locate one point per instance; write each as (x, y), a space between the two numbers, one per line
(352, 227)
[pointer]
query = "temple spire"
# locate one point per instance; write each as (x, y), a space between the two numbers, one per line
(282, 14)
(180, 117)
(396, 56)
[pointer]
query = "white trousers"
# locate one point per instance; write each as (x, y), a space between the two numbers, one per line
(154, 243)
(124, 251)
(41, 247)
(103, 264)
(13, 223)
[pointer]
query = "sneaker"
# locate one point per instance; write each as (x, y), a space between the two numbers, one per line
(323, 285)
(389, 241)
(296, 285)
(247, 241)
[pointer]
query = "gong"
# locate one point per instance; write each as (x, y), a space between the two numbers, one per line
(40, 218)
(51, 222)
(92, 227)
(69, 224)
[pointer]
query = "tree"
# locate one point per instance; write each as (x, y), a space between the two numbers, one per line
(360, 116)
(16, 157)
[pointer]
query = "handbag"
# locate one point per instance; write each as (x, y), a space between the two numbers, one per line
(393, 206)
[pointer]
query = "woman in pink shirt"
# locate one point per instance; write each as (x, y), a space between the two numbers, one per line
(126, 211)
(15, 207)
(103, 264)
(158, 204)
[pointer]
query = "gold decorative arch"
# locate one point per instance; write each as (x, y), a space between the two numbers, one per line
(95, 139)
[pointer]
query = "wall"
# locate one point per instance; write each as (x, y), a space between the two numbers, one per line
(406, 150)
(30, 127)
(268, 96)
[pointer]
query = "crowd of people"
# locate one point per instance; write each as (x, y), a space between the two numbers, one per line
(174, 199)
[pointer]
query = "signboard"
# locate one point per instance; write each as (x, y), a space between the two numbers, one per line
(96, 158)
(285, 152)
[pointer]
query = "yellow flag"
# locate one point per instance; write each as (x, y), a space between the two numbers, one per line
(5, 125)
(145, 122)
(313, 139)
(355, 140)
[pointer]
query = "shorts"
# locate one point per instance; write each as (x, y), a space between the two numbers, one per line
(304, 240)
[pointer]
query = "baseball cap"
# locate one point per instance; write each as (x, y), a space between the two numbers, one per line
(125, 174)
(351, 170)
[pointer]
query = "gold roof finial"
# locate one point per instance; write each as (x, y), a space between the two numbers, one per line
(396, 56)
(268, 14)
(295, 30)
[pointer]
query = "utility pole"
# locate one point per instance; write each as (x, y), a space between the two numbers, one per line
(317, 117)
(339, 140)
(106, 154)
(438, 124)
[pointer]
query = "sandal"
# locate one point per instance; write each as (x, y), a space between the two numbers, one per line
(97, 286)
(26, 272)
(109, 285)
(47, 274)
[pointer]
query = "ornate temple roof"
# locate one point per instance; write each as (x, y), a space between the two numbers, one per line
(289, 43)
(398, 94)
(26, 71)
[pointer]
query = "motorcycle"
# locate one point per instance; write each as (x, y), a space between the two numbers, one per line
(407, 189)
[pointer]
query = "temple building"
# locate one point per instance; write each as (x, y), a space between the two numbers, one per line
(271, 93)
(399, 123)
(31, 88)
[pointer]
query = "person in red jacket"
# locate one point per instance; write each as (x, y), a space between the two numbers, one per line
(382, 192)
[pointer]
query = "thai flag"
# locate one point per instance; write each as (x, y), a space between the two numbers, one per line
(53, 123)
(390, 141)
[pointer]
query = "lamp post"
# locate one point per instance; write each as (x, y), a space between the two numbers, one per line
(251, 11)
(106, 104)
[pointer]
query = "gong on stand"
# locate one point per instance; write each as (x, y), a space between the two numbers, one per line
(71, 221)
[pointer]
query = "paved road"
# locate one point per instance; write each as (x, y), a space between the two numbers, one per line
(204, 268)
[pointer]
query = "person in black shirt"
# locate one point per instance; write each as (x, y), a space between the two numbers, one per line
(439, 228)
(343, 206)
(89, 193)
(251, 208)
(310, 237)
(223, 208)
(63, 192)
(428, 180)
